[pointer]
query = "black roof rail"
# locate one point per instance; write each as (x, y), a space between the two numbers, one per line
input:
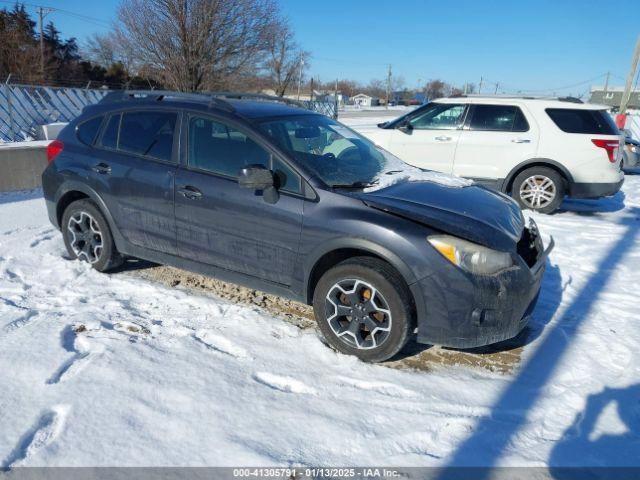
(258, 97)
(159, 95)
(570, 99)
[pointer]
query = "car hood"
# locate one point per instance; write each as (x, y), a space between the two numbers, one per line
(472, 212)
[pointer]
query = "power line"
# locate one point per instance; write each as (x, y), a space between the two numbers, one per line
(346, 62)
(551, 89)
(93, 20)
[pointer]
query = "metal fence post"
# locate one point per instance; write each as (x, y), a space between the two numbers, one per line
(7, 91)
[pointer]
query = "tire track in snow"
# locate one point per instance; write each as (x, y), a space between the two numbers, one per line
(42, 434)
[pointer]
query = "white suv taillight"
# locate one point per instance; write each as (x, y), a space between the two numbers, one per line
(54, 149)
(611, 146)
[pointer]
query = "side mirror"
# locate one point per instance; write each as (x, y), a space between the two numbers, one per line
(258, 177)
(405, 127)
(255, 177)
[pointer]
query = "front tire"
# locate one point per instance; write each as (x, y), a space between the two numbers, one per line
(540, 189)
(87, 236)
(363, 308)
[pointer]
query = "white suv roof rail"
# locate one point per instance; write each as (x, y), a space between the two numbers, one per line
(523, 97)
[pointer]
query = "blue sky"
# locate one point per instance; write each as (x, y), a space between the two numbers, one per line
(534, 46)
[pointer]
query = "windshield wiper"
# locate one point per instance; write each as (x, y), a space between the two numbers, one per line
(356, 185)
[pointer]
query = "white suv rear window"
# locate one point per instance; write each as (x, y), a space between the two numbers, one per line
(573, 120)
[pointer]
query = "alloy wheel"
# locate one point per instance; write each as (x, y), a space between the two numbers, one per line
(358, 314)
(537, 191)
(86, 237)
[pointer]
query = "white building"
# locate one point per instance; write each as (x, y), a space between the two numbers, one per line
(363, 100)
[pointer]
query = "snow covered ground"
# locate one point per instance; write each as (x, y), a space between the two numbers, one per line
(104, 370)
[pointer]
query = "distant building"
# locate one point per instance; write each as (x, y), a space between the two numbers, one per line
(330, 97)
(363, 100)
(613, 97)
(401, 97)
(421, 98)
(303, 97)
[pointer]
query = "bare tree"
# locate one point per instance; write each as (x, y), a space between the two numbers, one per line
(196, 44)
(284, 57)
(102, 49)
(436, 89)
(376, 88)
(397, 83)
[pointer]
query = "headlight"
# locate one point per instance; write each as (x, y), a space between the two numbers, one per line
(470, 256)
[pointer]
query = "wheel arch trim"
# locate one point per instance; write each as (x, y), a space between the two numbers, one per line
(75, 186)
(535, 162)
(314, 258)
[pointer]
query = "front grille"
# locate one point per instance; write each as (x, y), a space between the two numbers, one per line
(530, 245)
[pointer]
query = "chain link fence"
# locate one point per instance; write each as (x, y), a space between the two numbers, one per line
(24, 107)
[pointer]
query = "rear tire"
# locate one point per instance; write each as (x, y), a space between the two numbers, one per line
(540, 189)
(87, 236)
(363, 308)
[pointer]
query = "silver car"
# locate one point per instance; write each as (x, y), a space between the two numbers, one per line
(631, 152)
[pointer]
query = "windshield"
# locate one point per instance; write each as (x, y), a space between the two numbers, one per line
(342, 158)
(335, 153)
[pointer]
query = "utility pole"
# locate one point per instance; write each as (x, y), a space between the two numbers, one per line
(335, 101)
(480, 86)
(42, 12)
(626, 96)
(606, 83)
(388, 85)
(466, 85)
(496, 92)
(300, 75)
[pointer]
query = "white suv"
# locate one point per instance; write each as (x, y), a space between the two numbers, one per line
(536, 150)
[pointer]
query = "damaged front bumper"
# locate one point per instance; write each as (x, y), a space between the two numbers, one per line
(463, 310)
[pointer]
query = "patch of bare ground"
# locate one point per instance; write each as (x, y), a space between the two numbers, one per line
(501, 358)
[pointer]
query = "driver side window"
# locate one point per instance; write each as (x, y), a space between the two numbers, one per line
(219, 148)
(439, 116)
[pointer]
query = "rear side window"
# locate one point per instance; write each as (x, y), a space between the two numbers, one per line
(583, 121)
(110, 135)
(148, 133)
(87, 131)
(498, 118)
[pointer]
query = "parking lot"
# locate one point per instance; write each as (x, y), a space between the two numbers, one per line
(87, 356)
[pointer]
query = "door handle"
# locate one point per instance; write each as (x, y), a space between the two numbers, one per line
(192, 193)
(521, 140)
(443, 138)
(102, 168)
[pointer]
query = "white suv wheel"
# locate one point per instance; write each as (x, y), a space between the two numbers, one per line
(538, 188)
(537, 191)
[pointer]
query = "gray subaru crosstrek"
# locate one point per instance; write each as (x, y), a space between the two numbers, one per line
(290, 202)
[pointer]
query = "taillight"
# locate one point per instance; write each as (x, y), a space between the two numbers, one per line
(54, 149)
(611, 146)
